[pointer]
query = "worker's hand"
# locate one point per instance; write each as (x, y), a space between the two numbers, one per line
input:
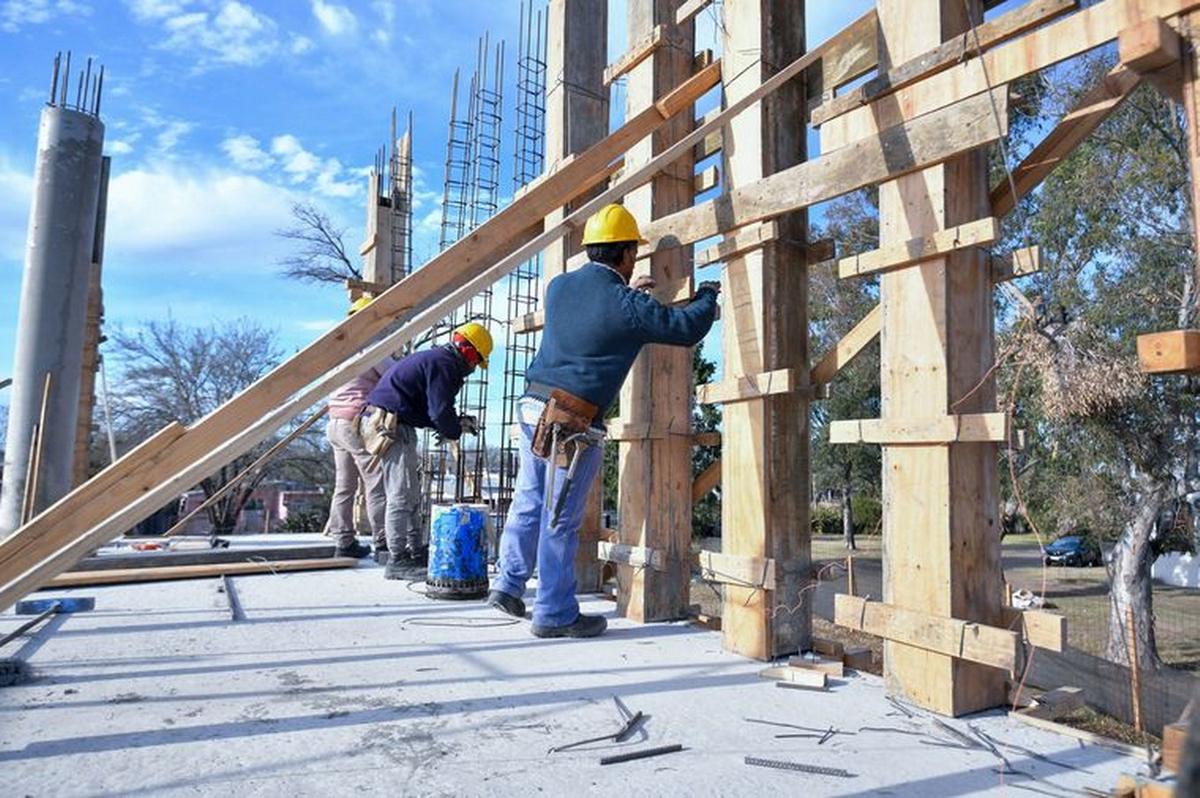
(709, 285)
(643, 282)
(470, 424)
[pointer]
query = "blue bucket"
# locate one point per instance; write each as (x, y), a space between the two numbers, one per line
(458, 538)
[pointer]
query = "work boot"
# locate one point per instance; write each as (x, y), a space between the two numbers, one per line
(351, 549)
(584, 626)
(509, 605)
(396, 569)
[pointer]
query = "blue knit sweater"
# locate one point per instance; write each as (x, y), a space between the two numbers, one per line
(420, 388)
(596, 325)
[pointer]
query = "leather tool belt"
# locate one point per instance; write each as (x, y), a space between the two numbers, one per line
(377, 428)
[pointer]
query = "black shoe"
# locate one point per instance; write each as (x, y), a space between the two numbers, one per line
(395, 570)
(584, 626)
(355, 549)
(509, 605)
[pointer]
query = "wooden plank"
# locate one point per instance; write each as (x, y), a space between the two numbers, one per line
(1071, 36)
(1018, 263)
(1056, 703)
(986, 645)
(706, 438)
(733, 569)
(970, 428)
(1149, 46)
(828, 647)
(706, 480)
(808, 678)
(859, 658)
(848, 348)
(1041, 628)
(1139, 787)
(847, 55)
(641, 50)
(706, 180)
(750, 386)
(53, 541)
(1174, 738)
(948, 54)
(528, 322)
(923, 248)
(162, 559)
(1079, 734)
(1190, 91)
(1172, 352)
(633, 556)
(689, 9)
(711, 144)
(120, 576)
(830, 667)
(1089, 112)
(901, 150)
(738, 243)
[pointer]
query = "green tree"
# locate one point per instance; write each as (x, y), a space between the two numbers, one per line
(706, 513)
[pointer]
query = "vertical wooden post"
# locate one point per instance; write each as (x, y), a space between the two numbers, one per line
(850, 574)
(576, 118)
(655, 493)
(941, 534)
(1135, 672)
(765, 489)
(91, 337)
(1191, 106)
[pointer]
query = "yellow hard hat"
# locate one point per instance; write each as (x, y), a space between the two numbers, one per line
(611, 224)
(359, 304)
(477, 336)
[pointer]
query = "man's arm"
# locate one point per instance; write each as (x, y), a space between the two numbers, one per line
(678, 326)
(441, 389)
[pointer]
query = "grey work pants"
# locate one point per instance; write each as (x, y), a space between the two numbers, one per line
(402, 481)
(350, 461)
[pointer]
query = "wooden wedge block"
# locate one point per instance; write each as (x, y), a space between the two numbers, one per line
(1173, 738)
(829, 667)
(828, 646)
(794, 675)
(858, 658)
(1150, 45)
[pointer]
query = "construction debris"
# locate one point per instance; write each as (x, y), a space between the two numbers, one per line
(799, 767)
(645, 753)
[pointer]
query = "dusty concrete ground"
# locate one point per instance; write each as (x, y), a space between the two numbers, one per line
(341, 682)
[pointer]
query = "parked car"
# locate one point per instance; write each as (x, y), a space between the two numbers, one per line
(1075, 550)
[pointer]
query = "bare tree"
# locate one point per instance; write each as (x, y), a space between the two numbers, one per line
(320, 255)
(172, 372)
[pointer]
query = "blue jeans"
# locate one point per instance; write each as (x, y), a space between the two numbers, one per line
(529, 540)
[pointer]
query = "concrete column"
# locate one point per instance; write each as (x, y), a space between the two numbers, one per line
(52, 318)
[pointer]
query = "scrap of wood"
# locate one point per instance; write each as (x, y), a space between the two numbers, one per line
(642, 49)
(1171, 352)
(918, 250)
(1174, 737)
(905, 148)
(1149, 46)
(1041, 628)
(828, 646)
(1079, 734)
(974, 642)
(204, 556)
(1056, 704)
(829, 667)
(1018, 263)
(706, 480)
(737, 570)
(964, 428)
(706, 180)
(636, 556)
(795, 676)
(946, 55)
(706, 438)
(1138, 787)
(859, 658)
(751, 386)
(117, 576)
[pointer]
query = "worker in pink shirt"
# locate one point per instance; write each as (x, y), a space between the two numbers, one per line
(350, 460)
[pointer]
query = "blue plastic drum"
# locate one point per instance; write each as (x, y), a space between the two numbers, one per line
(458, 537)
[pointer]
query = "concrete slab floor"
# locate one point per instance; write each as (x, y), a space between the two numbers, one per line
(341, 682)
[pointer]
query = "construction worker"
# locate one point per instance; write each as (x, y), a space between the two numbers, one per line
(418, 391)
(596, 323)
(350, 461)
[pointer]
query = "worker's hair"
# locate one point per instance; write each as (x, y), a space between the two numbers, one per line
(609, 254)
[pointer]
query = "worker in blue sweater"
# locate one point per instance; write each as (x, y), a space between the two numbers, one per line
(417, 391)
(596, 323)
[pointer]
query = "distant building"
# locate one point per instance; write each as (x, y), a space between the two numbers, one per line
(268, 507)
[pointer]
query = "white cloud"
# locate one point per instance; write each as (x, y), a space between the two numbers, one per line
(15, 14)
(239, 212)
(170, 135)
(214, 33)
(386, 11)
(246, 153)
(118, 147)
(327, 175)
(156, 9)
(337, 20)
(301, 45)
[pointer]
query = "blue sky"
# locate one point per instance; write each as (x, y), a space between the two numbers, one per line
(221, 113)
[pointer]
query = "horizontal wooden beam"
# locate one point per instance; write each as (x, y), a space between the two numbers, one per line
(642, 49)
(736, 570)
(1172, 352)
(1018, 263)
(637, 556)
(971, 428)
(847, 55)
(753, 386)
(706, 438)
(738, 243)
(929, 140)
(1041, 628)
(690, 9)
(974, 642)
(1058, 41)
(848, 348)
(706, 480)
(1149, 46)
(164, 573)
(1096, 105)
(918, 250)
(946, 55)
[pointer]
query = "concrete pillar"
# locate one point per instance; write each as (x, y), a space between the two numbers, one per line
(52, 318)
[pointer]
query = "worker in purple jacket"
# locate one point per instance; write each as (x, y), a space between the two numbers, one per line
(350, 461)
(419, 391)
